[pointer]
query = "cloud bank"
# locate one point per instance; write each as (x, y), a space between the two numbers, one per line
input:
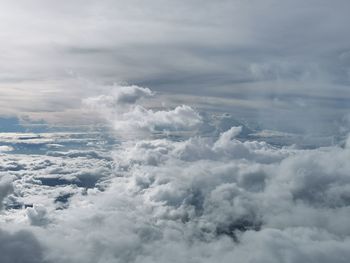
(189, 198)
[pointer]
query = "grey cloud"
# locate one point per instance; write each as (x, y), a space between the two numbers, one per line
(21, 247)
(252, 52)
(37, 215)
(6, 188)
(119, 95)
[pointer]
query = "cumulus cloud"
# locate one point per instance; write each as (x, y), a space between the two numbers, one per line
(165, 205)
(118, 95)
(347, 143)
(6, 148)
(6, 188)
(21, 246)
(198, 190)
(36, 182)
(192, 200)
(37, 215)
(125, 116)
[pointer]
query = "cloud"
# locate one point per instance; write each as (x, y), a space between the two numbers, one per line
(181, 118)
(201, 198)
(37, 215)
(6, 188)
(6, 148)
(33, 178)
(206, 199)
(121, 95)
(174, 198)
(251, 58)
(21, 246)
(293, 245)
(129, 119)
(176, 185)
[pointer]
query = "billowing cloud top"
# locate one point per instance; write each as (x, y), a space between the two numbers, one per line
(127, 117)
(170, 198)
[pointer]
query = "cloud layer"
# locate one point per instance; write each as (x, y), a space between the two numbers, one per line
(167, 198)
(269, 62)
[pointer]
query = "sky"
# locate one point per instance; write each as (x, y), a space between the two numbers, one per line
(268, 62)
(174, 131)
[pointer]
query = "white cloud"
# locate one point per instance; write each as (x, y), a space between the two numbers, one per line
(5, 148)
(37, 215)
(6, 188)
(204, 199)
(129, 119)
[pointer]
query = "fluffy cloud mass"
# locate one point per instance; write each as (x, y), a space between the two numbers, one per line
(5, 188)
(120, 109)
(167, 197)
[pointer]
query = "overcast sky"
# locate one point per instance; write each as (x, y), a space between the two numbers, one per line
(269, 61)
